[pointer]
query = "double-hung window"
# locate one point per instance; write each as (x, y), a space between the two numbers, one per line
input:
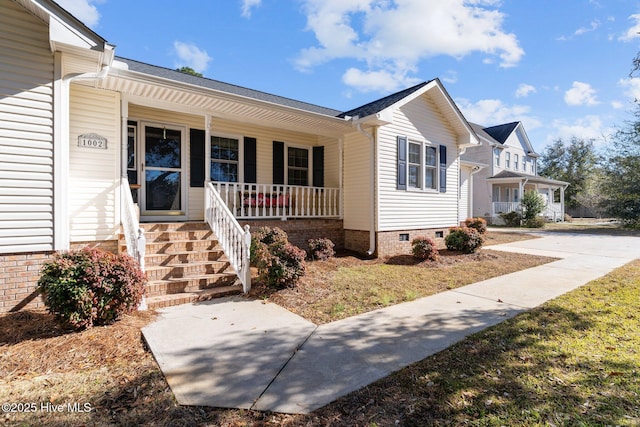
(297, 166)
(496, 153)
(415, 165)
(430, 167)
(516, 162)
(422, 166)
(225, 154)
(507, 160)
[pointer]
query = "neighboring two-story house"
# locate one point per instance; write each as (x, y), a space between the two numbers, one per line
(510, 169)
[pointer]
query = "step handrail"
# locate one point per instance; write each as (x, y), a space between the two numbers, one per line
(133, 233)
(235, 241)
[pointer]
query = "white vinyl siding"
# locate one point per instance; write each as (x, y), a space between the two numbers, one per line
(26, 132)
(419, 120)
(357, 182)
(94, 174)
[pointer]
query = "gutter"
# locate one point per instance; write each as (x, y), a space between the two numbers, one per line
(372, 176)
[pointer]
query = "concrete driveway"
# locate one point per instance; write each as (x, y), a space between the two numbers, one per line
(241, 353)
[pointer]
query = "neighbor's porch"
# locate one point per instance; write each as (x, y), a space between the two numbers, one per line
(507, 196)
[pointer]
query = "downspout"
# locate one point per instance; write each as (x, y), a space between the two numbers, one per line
(372, 176)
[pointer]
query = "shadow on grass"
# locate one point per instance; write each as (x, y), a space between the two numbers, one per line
(488, 377)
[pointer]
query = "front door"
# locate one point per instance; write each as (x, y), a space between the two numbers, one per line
(163, 192)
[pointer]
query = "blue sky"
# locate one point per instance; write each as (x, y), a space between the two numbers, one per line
(560, 67)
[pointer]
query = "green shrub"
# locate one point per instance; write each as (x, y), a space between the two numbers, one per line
(480, 224)
(279, 262)
(537, 222)
(464, 239)
(532, 206)
(266, 236)
(321, 249)
(91, 287)
(512, 219)
(424, 248)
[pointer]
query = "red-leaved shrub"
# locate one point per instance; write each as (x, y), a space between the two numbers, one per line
(424, 248)
(91, 287)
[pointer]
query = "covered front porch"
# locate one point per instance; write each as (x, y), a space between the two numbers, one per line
(507, 189)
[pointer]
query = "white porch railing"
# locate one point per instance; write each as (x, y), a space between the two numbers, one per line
(133, 233)
(505, 207)
(553, 212)
(249, 201)
(235, 241)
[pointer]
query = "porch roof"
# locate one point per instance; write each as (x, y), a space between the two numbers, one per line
(511, 177)
(165, 88)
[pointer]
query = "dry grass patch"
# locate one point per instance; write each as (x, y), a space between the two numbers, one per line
(347, 286)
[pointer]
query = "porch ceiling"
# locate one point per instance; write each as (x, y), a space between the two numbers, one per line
(168, 94)
(507, 177)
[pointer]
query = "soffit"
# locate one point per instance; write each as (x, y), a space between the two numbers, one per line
(168, 94)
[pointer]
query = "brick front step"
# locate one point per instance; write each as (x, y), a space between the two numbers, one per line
(183, 257)
(190, 284)
(155, 302)
(178, 270)
(184, 263)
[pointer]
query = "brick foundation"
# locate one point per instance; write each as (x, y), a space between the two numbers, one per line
(301, 230)
(388, 242)
(19, 274)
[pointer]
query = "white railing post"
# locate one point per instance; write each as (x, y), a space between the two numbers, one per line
(235, 241)
(133, 233)
(246, 247)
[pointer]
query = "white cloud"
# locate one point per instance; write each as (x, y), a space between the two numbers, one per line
(632, 86)
(632, 33)
(248, 5)
(393, 37)
(84, 10)
(588, 127)
(525, 90)
(583, 30)
(380, 81)
(192, 56)
(581, 94)
(490, 112)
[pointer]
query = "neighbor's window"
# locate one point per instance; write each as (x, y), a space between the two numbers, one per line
(224, 159)
(516, 162)
(496, 153)
(507, 160)
(297, 166)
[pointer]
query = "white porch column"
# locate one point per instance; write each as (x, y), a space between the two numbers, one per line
(520, 191)
(61, 99)
(340, 183)
(124, 141)
(562, 202)
(207, 148)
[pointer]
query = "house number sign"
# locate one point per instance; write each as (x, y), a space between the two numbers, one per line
(92, 140)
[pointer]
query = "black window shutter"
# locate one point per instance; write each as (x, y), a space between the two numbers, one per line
(318, 166)
(443, 168)
(402, 163)
(250, 159)
(278, 162)
(197, 159)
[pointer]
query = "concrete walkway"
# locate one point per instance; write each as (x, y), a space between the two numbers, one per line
(238, 353)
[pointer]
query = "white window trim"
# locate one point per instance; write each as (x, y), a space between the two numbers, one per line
(309, 149)
(496, 154)
(207, 153)
(516, 161)
(507, 160)
(422, 187)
